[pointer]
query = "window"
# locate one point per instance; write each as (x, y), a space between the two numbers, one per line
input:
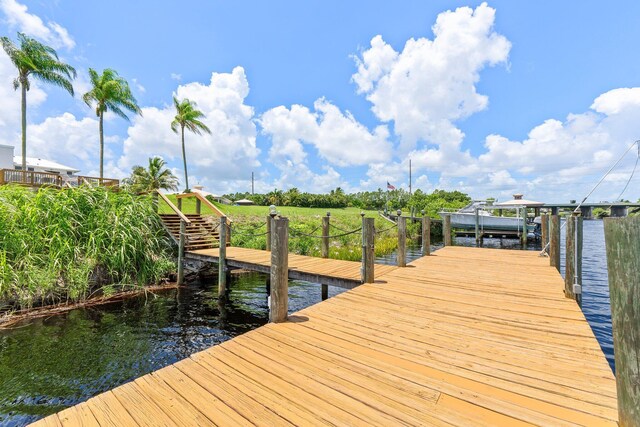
(30, 169)
(69, 173)
(18, 168)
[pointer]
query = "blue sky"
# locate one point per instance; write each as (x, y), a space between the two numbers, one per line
(536, 97)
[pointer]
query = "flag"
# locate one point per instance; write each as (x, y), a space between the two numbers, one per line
(390, 187)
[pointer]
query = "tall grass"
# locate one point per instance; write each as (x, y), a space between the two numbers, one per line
(62, 245)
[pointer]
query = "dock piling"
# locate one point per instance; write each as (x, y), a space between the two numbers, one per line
(222, 261)
(269, 224)
(554, 241)
(477, 227)
(368, 249)
(402, 241)
(446, 230)
(181, 244)
(544, 229)
(573, 263)
(426, 236)
(622, 239)
(324, 247)
(279, 300)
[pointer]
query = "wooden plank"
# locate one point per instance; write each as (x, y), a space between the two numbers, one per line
(430, 344)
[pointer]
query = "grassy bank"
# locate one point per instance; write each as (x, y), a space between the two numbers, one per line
(305, 227)
(65, 245)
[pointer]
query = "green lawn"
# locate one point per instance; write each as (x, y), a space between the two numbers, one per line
(189, 207)
(249, 222)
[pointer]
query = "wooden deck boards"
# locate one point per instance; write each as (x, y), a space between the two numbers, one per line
(333, 272)
(463, 337)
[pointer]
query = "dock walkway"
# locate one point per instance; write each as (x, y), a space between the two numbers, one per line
(333, 272)
(463, 337)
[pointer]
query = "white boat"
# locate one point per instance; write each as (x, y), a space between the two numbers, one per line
(465, 219)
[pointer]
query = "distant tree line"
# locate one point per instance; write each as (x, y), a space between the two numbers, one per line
(380, 199)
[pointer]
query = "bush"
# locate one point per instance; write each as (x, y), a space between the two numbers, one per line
(66, 244)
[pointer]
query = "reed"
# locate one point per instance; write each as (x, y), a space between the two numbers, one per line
(66, 245)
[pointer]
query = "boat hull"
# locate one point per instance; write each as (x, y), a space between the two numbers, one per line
(467, 221)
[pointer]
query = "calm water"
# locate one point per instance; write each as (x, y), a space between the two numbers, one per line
(51, 363)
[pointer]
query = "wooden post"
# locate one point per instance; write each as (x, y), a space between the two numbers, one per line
(402, 241)
(269, 224)
(426, 236)
(198, 206)
(524, 227)
(573, 261)
(368, 249)
(179, 202)
(446, 230)
(554, 241)
(622, 239)
(222, 259)
(183, 232)
(324, 246)
(279, 300)
(477, 227)
(544, 229)
(325, 292)
(228, 227)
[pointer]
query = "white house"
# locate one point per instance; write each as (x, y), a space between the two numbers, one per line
(9, 161)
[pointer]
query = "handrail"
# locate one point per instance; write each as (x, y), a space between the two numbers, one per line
(206, 201)
(174, 208)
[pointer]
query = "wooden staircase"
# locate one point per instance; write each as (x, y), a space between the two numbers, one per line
(202, 233)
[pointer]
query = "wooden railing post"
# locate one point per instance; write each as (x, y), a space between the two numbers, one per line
(426, 235)
(181, 252)
(324, 246)
(622, 240)
(368, 249)
(198, 206)
(279, 298)
(554, 241)
(179, 201)
(544, 229)
(523, 236)
(269, 225)
(573, 261)
(477, 218)
(402, 241)
(222, 259)
(446, 229)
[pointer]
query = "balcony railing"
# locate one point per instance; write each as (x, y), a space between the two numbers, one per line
(30, 178)
(39, 179)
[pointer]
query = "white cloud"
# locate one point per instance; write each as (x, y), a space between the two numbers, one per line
(10, 101)
(226, 154)
(138, 86)
(338, 137)
(177, 77)
(431, 83)
(18, 18)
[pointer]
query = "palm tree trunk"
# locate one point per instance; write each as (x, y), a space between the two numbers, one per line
(184, 159)
(101, 143)
(24, 130)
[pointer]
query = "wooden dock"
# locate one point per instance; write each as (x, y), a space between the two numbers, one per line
(332, 272)
(463, 337)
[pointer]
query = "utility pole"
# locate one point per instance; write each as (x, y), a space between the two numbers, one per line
(409, 176)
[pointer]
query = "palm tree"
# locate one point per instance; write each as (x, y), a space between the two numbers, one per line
(110, 92)
(187, 116)
(33, 59)
(154, 177)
